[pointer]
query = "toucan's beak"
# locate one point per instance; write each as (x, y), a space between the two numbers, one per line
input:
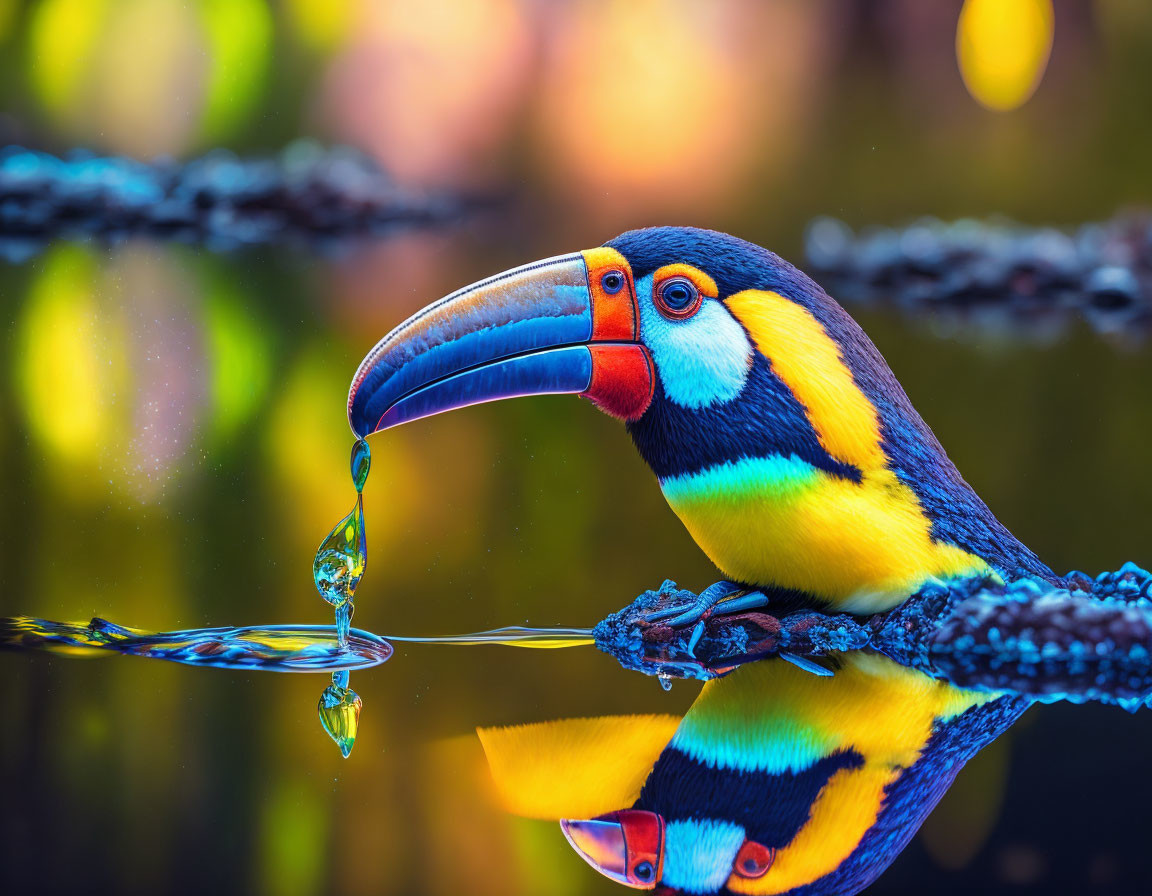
(626, 846)
(564, 325)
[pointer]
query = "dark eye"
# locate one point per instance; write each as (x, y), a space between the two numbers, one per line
(678, 298)
(643, 872)
(612, 282)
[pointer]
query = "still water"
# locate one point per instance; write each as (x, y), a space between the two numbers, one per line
(478, 520)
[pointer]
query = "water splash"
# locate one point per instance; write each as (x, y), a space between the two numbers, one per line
(512, 636)
(273, 648)
(276, 648)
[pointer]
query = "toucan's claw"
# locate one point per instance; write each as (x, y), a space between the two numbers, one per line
(740, 603)
(678, 634)
(802, 662)
(697, 634)
(702, 606)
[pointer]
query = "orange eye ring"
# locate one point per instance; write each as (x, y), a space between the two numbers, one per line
(677, 298)
(753, 860)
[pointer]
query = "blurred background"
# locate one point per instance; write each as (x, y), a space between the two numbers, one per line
(173, 443)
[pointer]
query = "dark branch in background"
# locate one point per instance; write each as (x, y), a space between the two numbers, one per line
(305, 194)
(995, 271)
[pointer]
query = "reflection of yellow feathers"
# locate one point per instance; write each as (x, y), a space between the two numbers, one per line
(575, 768)
(766, 719)
(774, 717)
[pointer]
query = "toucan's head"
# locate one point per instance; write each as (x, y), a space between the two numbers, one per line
(655, 327)
(641, 849)
(767, 414)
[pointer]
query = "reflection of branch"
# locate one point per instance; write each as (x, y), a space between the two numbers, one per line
(1081, 639)
(1028, 279)
(306, 193)
(1084, 639)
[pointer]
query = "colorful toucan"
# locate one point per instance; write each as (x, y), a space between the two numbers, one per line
(776, 430)
(776, 781)
(786, 446)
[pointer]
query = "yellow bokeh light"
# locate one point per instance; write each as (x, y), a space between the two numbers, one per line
(147, 77)
(321, 24)
(65, 381)
(108, 371)
(62, 38)
(1003, 47)
(239, 36)
(239, 360)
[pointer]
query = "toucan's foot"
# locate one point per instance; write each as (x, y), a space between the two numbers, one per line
(722, 597)
(678, 634)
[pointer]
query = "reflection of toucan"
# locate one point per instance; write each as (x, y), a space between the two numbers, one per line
(776, 781)
(778, 433)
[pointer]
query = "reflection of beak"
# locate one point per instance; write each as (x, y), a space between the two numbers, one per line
(626, 846)
(548, 327)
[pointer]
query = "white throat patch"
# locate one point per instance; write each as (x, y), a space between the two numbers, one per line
(700, 361)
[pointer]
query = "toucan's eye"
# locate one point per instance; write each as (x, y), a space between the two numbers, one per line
(644, 872)
(677, 298)
(753, 860)
(612, 282)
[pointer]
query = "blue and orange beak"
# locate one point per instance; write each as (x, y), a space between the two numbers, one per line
(625, 846)
(564, 325)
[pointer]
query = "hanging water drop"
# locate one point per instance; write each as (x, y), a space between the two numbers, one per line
(337, 570)
(339, 710)
(665, 681)
(341, 558)
(360, 464)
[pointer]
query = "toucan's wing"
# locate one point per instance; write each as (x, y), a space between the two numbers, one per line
(574, 768)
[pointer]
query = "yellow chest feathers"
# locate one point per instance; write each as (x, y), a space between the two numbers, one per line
(779, 521)
(862, 546)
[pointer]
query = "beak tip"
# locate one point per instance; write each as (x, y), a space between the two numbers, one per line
(601, 844)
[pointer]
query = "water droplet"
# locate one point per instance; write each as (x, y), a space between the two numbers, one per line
(339, 710)
(361, 463)
(665, 681)
(341, 558)
(340, 678)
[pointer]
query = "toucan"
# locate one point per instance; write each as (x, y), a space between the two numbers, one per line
(776, 430)
(786, 446)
